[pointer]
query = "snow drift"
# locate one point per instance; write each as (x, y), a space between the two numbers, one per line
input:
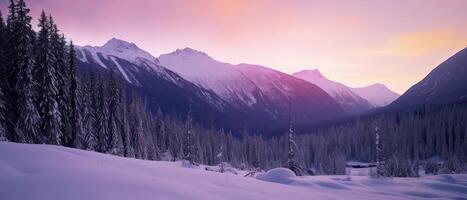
(52, 172)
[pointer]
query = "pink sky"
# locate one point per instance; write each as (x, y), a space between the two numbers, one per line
(355, 42)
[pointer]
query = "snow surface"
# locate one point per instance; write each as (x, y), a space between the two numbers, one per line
(58, 173)
(377, 94)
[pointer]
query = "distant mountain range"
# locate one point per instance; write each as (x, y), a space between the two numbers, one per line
(223, 95)
(377, 94)
(353, 100)
(261, 91)
(238, 96)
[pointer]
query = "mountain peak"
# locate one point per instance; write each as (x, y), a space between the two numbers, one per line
(119, 45)
(121, 49)
(310, 72)
(189, 51)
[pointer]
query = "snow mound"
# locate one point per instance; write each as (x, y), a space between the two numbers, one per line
(277, 175)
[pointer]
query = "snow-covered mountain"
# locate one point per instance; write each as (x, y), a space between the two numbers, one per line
(222, 78)
(161, 87)
(118, 49)
(224, 95)
(447, 83)
(377, 94)
(345, 96)
(260, 90)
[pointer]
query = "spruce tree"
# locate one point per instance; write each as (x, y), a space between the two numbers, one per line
(292, 146)
(3, 79)
(381, 170)
(136, 127)
(47, 91)
(88, 139)
(189, 147)
(101, 112)
(2, 116)
(62, 77)
(73, 113)
(114, 141)
(125, 128)
(26, 125)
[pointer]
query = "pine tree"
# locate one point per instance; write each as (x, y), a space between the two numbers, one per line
(114, 142)
(136, 127)
(380, 156)
(101, 113)
(220, 157)
(47, 91)
(88, 139)
(3, 79)
(62, 78)
(22, 62)
(292, 146)
(2, 116)
(189, 147)
(125, 128)
(74, 103)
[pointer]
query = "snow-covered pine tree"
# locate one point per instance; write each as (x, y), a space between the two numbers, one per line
(220, 157)
(11, 71)
(380, 155)
(114, 142)
(161, 131)
(26, 125)
(3, 79)
(75, 132)
(2, 116)
(47, 91)
(88, 139)
(136, 127)
(292, 147)
(101, 113)
(125, 128)
(63, 77)
(189, 147)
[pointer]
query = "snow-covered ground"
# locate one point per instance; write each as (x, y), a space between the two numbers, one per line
(53, 172)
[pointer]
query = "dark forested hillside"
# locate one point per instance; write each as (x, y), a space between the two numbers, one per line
(447, 83)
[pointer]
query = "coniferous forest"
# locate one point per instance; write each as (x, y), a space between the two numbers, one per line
(46, 99)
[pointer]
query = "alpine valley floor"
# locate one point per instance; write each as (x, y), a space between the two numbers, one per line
(58, 173)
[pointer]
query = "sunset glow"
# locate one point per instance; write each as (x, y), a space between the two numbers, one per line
(354, 42)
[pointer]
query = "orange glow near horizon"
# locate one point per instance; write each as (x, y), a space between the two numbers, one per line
(354, 42)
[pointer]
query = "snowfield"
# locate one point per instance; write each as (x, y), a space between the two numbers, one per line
(53, 172)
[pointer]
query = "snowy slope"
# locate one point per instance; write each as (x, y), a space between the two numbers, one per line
(348, 99)
(58, 173)
(260, 91)
(377, 94)
(118, 48)
(222, 78)
(111, 55)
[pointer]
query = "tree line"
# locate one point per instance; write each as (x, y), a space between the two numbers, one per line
(46, 99)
